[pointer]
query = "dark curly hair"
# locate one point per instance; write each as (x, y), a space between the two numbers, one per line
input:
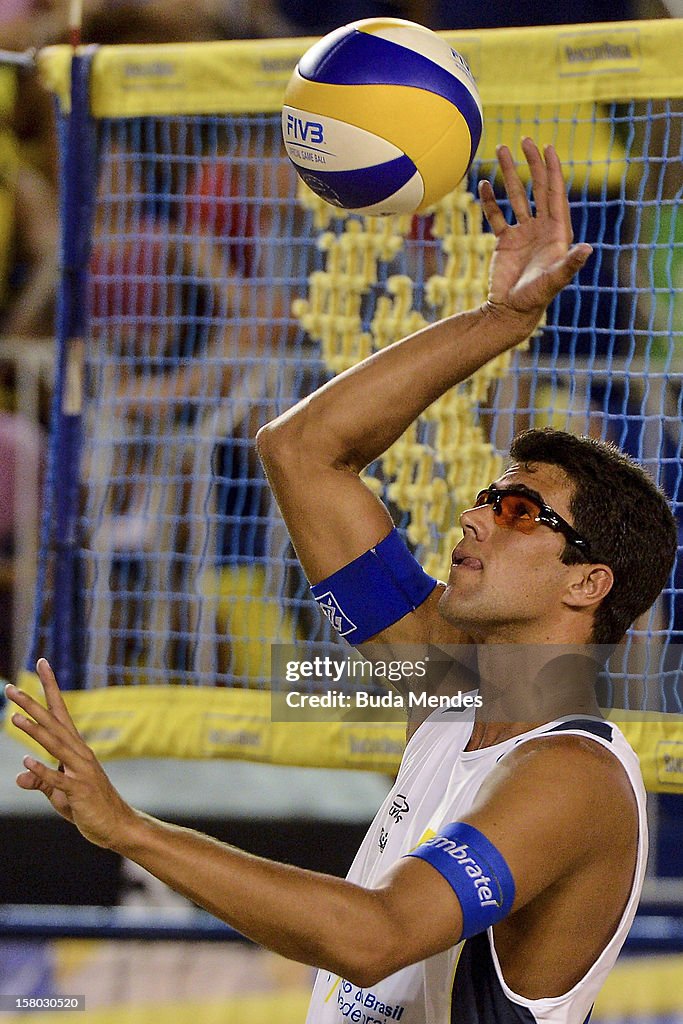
(620, 511)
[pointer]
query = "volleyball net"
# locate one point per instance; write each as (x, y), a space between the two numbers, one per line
(206, 289)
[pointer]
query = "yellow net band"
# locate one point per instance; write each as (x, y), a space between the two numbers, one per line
(202, 722)
(637, 60)
(207, 722)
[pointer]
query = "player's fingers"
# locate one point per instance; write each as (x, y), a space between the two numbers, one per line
(28, 780)
(39, 776)
(66, 731)
(491, 210)
(539, 176)
(558, 204)
(52, 739)
(513, 185)
(53, 695)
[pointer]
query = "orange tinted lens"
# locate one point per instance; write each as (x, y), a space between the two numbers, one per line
(518, 513)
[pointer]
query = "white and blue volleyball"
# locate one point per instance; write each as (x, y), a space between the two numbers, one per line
(382, 116)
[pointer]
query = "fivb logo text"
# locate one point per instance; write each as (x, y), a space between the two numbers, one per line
(301, 130)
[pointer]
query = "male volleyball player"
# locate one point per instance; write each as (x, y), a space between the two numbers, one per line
(523, 834)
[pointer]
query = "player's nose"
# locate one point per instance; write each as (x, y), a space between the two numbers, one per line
(477, 522)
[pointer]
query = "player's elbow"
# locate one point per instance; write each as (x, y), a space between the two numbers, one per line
(279, 441)
(366, 971)
(313, 434)
(375, 961)
(291, 443)
(368, 974)
(280, 455)
(377, 950)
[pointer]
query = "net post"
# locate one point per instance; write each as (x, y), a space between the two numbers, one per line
(77, 202)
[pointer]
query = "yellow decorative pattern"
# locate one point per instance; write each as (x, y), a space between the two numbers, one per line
(332, 312)
(434, 469)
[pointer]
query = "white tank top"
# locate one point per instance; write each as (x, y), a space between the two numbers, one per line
(436, 784)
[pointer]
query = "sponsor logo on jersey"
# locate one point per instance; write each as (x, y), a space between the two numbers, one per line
(353, 1003)
(399, 807)
(426, 836)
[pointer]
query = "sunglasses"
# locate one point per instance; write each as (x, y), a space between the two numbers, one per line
(520, 508)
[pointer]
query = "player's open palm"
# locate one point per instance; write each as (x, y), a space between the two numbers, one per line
(534, 258)
(79, 789)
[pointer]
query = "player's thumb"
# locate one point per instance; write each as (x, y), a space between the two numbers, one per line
(577, 256)
(566, 268)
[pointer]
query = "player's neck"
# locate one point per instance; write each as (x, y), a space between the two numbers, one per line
(524, 685)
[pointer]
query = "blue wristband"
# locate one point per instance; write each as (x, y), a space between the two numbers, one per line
(375, 590)
(476, 871)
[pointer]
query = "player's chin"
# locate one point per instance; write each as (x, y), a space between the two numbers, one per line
(451, 602)
(461, 598)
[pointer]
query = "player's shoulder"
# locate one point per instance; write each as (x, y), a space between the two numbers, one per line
(586, 743)
(584, 770)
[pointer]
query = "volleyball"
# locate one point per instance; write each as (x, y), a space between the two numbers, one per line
(382, 116)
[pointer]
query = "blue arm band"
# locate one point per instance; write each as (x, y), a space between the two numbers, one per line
(476, 871)
(375, 590)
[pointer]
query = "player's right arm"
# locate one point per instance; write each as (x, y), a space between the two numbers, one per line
(314, 453)
(548, 846)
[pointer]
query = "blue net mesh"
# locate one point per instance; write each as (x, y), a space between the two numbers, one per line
(199, 248)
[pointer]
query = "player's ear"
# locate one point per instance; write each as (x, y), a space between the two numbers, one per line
(588, 585)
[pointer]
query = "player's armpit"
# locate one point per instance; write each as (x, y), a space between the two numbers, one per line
(443, 659)
(554, 811)
(451, 887)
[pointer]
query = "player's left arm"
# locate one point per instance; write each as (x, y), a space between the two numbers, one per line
(537, 817)
(559, 808)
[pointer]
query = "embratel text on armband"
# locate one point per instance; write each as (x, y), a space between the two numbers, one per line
(476, 871)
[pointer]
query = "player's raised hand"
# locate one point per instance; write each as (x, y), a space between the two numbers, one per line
(79, 789)
(534, 258)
